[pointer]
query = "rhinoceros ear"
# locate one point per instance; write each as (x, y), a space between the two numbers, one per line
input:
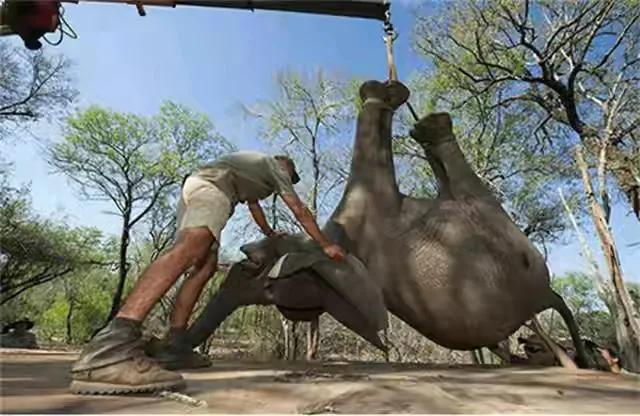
(293, 262)
(349, 278)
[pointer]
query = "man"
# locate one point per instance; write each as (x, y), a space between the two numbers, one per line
(114, 360)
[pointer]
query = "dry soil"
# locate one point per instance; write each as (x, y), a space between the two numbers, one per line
(36, 382)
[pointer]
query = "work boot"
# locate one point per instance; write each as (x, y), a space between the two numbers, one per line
(175, 352)
(113, 362)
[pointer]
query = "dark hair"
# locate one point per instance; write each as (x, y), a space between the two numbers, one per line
(295, 178)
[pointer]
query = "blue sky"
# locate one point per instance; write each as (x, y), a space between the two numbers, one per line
(213, 60)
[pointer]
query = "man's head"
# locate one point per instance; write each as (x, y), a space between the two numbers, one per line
(289, 166)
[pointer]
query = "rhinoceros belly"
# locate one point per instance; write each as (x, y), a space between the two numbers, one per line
(469, 279)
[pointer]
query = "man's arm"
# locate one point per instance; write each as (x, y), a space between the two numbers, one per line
(306, 218)
(258, 216)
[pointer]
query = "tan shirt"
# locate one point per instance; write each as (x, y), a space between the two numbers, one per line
(247, 176)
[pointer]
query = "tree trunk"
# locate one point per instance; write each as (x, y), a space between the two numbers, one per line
(122, 266)
(601, 285)
(294, 340)
(313, 337)
(626, 320)
(290, 339)
(386, 335)
(285, 333)
(622, 169)
(68, 322)
(477, 357)
(313, 329)
(316, 177)
(69, 297)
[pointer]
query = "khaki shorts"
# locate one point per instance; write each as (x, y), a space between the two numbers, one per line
(202, 204)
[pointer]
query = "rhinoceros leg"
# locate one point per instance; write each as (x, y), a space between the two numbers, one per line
(350, 279)
(303, 296)
(455, 177)
(239, 288)
(372, 181)
(372, 161)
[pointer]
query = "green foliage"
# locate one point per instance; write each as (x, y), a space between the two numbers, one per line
(311, 119)
(499, 149)
(185, 139)
(579, 292)
(634, 293)
(47, 266)
(593, 318)
(134, 162)
(568, 70)
(33, 86)
(67, 310)
(35, 250)
(81, 302)
(52, 323)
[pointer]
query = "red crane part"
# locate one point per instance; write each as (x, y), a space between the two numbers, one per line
(31, 19)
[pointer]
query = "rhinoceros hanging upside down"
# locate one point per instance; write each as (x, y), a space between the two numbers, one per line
(456, 268)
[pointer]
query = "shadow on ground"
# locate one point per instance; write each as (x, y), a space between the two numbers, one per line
(37, 383)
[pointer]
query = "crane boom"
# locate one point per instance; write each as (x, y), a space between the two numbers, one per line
(32, 19)
(368, 9)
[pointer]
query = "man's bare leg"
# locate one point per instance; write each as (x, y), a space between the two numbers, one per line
(192, 247)
(176, 352)
(113, 362)
(190, 291)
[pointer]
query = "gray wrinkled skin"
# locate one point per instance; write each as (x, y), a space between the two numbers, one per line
(455, 268)
(302, 296)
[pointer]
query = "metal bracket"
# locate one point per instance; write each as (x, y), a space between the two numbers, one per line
(140, 7)
(387, 26)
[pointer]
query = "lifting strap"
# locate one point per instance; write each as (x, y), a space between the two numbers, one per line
(390, 35)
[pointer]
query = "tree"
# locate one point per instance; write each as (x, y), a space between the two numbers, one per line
(77, 306)
(155, 236)
(34, 250)
(308, 119)
(615, 294)
(33, 86)
(573, 68)
(133, 162)
(572, 65)
(634, 293)
(497, 146)
(590, 312)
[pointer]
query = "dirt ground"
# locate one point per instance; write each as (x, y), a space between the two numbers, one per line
(36, 382)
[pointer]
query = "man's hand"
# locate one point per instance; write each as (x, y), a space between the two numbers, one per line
(276, 234)
(261, 220)
(308, 222)
(334, 251)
